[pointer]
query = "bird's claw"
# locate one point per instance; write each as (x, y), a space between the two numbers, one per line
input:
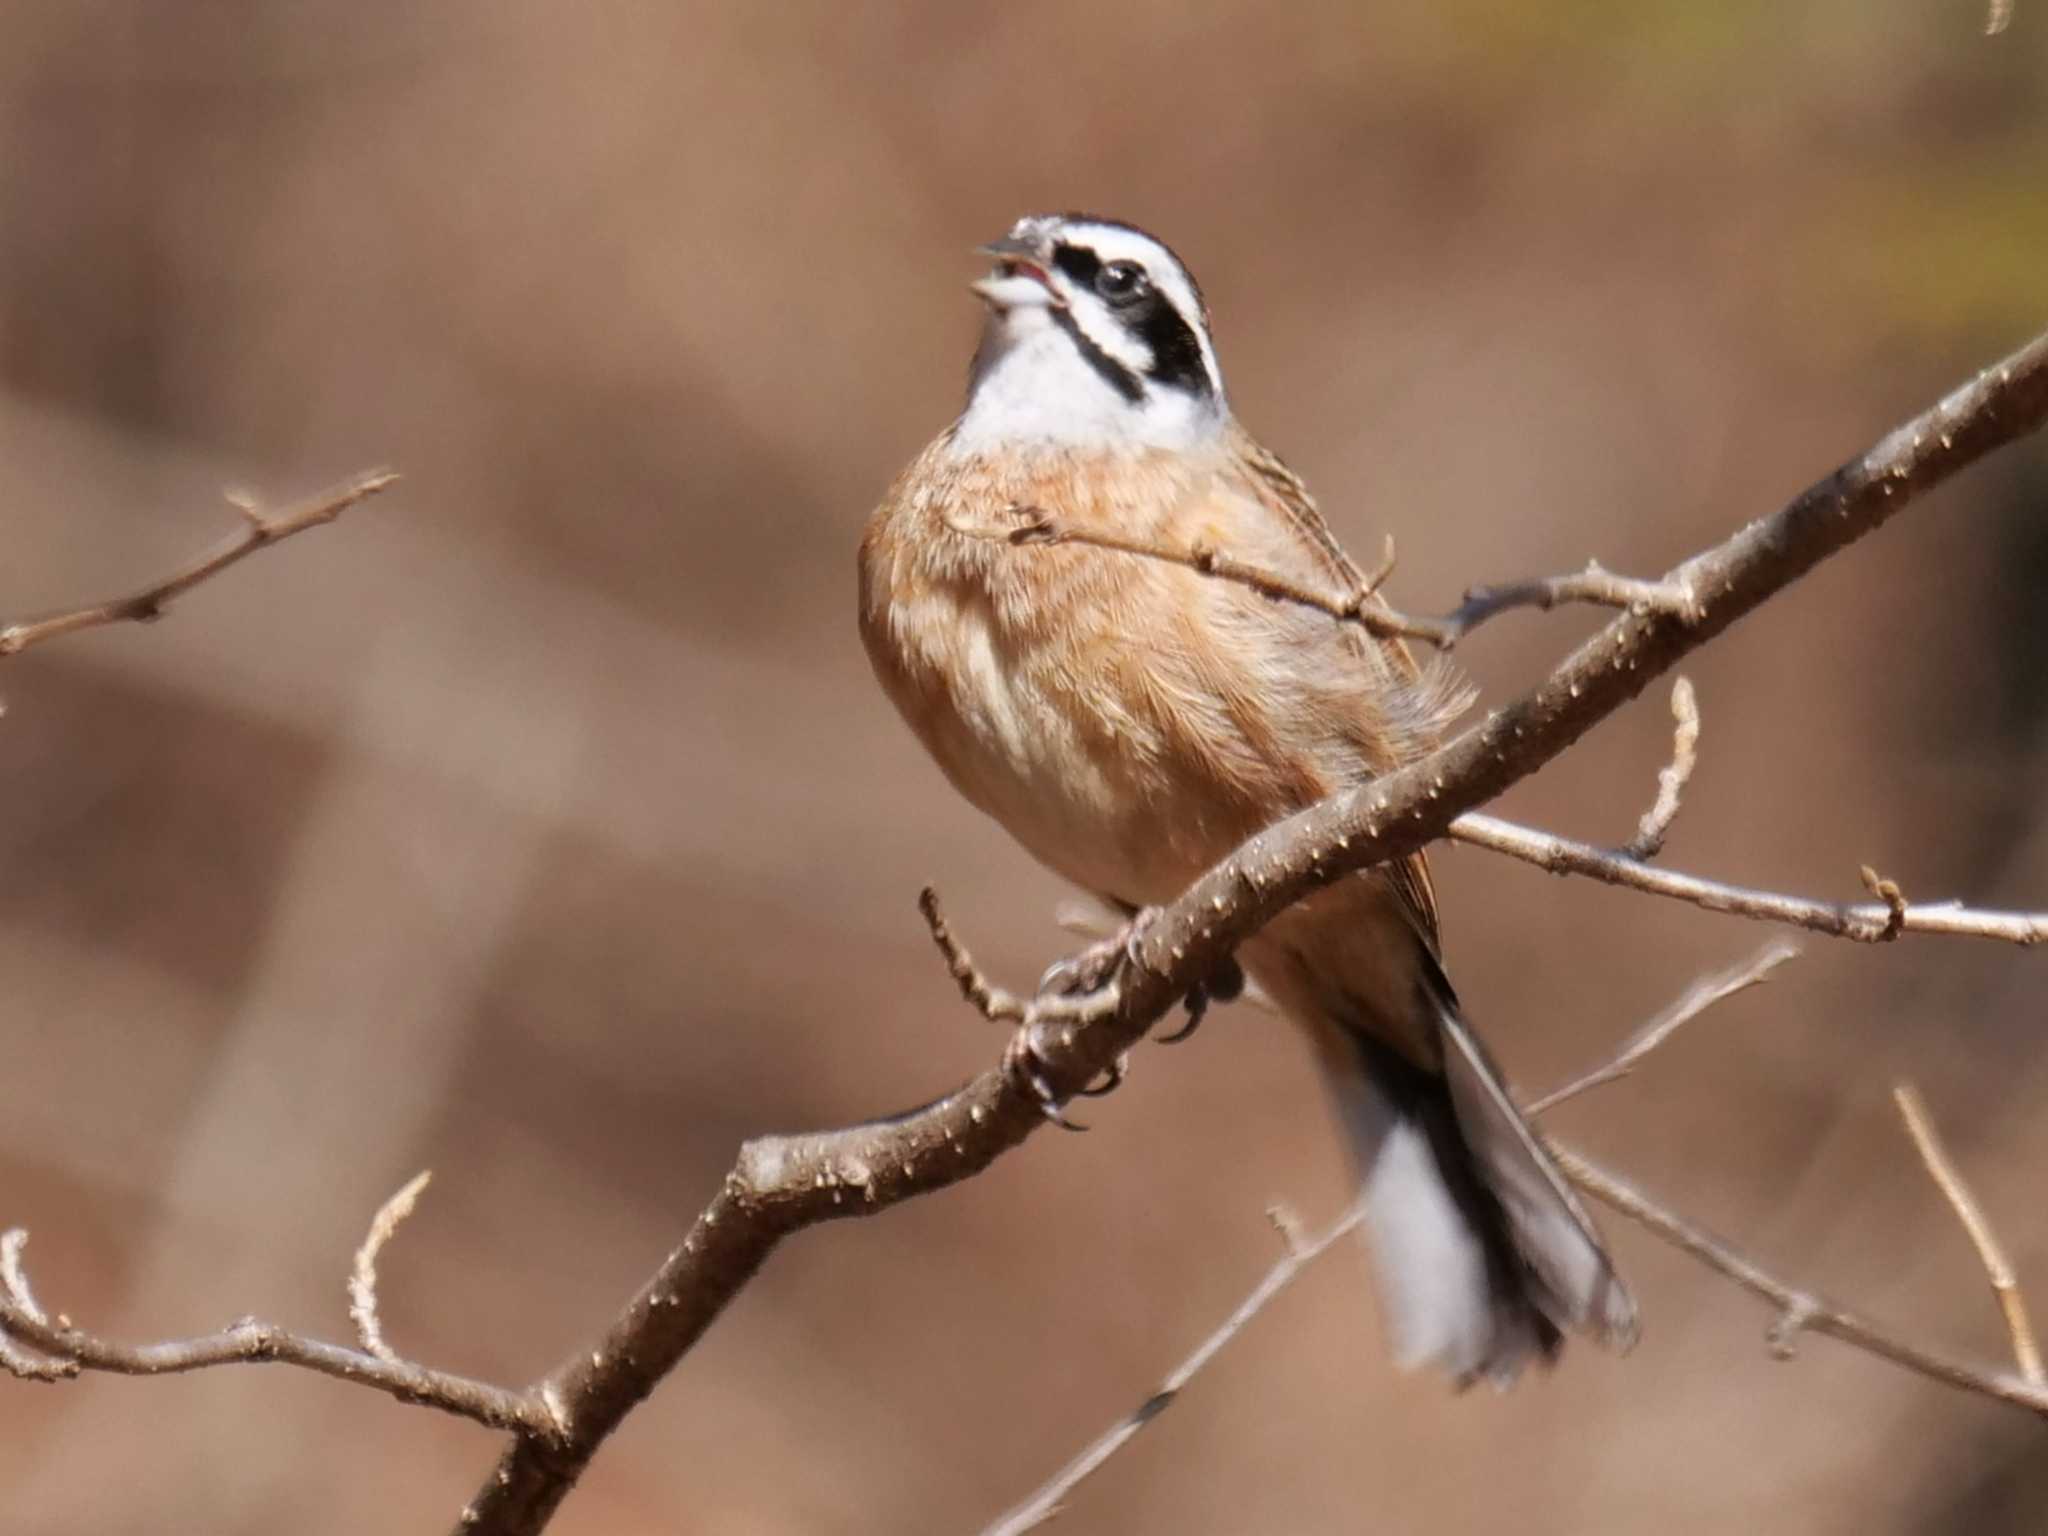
(1092, 969)
(1112, 1080)
(1225, 984)
(1026, 1068)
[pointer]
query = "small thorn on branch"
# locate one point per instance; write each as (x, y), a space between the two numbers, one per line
(1998, 1269)
(1888, 892)
(1782, 1337)
(1293, 1235)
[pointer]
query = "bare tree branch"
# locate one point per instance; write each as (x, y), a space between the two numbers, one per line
(781, 1184)
(1363, 607)
(1797, 1308)
(1043, 1504)
(2005, 1285)
(362, 1280)
(1799, 1311)
(1865, 922)
(1694, 1001)
(259, 530)
(1671, 779)
(71, 1350)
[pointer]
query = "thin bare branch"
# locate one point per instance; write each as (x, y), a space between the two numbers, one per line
(362, 1280)
(258, 531)
(248, 1342)
(1696, 1000)
(1671, 779)
(782, 1184)
(14, 1278)
(1865, 922)
(987, 999)
(1672, 597)
(1798, 1311)
(15, 1360)
(1045, 1502)
(1363, 607)
(1998, 1269)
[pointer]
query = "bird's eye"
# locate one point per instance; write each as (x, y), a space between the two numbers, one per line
(1120, 281)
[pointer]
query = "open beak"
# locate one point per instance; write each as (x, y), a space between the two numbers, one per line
(1020, 279)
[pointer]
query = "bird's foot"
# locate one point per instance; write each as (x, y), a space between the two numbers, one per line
(1094, 968)
(1225, 984)
(1025, 1065)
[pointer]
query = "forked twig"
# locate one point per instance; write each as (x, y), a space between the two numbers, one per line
(71, 1350)
(1363, 607)
(1864, 922)
(258, 531)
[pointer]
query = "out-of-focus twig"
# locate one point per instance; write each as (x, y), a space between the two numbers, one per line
(1799, 1311)
(1671, 779)
(1695, 1000)
(1045, 1501)
(1865, 922)
(1998, 1269)
(1797, 1308)
(362, 1279)
(259, 530)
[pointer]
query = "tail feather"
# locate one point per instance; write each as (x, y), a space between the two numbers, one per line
(1484, 1258)
(1568, 1265)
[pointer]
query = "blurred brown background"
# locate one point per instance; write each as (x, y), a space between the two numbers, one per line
(540, 824)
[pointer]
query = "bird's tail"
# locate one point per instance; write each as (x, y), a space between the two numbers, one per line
(1484, 1257)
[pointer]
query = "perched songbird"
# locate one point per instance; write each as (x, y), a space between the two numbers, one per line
(1130, 720)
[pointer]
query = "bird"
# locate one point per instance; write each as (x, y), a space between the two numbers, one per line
(1129, 718)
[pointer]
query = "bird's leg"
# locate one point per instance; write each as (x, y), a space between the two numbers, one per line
(1095, 967)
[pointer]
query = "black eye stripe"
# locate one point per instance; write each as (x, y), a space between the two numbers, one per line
(1176, 353)
(1078, 262)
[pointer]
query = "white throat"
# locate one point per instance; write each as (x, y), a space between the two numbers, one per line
(1030, 384)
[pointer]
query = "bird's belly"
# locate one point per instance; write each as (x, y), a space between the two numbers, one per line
(1067, 754)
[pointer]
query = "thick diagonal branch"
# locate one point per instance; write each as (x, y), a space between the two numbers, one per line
(782, 1184)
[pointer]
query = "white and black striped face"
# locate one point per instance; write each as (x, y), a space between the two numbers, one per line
(1096, 334)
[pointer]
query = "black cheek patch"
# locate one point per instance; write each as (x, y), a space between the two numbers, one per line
(1176, 354)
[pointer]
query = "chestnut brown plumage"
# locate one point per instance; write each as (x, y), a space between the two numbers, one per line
(1130, 720)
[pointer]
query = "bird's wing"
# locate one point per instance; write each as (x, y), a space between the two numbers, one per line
(1417, 702)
